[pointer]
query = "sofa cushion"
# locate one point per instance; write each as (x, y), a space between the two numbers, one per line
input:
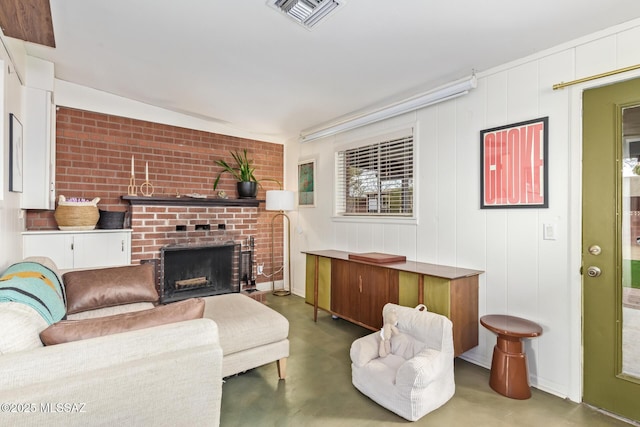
(111, 311)
(35, 285)
(74, 330)
(21, 325)
(107, 287)
(244, 323)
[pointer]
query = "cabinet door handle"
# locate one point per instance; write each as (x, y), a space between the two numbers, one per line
(360, 283)
(72, 246)
(121, 245)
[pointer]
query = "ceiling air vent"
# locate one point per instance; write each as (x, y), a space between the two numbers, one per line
(306, 12)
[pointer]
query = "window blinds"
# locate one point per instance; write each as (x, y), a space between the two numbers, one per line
(376, 179)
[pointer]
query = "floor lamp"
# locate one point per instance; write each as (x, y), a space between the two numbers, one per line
(281, 201)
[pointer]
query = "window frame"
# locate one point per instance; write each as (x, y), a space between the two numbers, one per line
(339, 196)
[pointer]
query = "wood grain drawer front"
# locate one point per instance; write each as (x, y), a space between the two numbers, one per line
(344, 290)
(359, 291)
(376, 292)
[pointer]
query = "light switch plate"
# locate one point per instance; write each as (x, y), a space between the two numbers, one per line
(549, 231)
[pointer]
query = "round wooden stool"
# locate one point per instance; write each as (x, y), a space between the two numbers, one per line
(509, 372)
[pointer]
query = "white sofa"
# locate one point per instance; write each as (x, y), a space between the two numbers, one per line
(163, 375)
(250, 333)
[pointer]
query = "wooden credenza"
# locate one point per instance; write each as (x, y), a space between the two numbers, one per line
(356, 291)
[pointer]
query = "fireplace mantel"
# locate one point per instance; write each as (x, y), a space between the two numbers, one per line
(191, 201)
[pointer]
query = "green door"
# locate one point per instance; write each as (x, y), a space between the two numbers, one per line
(611, 247)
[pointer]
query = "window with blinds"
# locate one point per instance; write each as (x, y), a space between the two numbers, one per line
(376, 179)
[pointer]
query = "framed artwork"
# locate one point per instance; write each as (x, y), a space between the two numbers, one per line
(15, 154)
(514, 165)
(306, 183)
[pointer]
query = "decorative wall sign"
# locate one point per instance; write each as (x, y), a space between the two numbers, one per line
(306, 183)
(15, 154)
(513, 165)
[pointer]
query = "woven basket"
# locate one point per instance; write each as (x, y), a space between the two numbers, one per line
(77, 215)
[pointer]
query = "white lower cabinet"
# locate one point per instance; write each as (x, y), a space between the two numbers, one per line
(80, 249)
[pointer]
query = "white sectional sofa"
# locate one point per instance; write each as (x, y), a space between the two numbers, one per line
(135, 370)
(170, 374)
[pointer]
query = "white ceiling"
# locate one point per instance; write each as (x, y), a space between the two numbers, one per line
(247, 65)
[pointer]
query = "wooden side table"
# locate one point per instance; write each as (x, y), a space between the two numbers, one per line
(509, 372)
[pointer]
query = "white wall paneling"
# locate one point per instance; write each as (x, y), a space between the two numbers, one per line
(596, 57)
(525, 275)
(627, 52)
(447, 193)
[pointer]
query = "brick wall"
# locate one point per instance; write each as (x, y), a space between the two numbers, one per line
(156, 226)
(93, 159)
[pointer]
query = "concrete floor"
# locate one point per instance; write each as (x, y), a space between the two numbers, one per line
(318, 389)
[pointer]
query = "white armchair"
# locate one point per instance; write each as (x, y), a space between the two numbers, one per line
(417, 377)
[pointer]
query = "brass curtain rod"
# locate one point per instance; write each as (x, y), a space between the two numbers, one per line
(595, 77)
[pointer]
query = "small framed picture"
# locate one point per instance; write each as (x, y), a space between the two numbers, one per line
(15, 154)
(306, 183)
(514, 165)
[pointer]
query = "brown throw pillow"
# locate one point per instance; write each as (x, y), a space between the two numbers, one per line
(106, 287)
(74, 330)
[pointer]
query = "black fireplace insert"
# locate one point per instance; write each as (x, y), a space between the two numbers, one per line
(198, 271)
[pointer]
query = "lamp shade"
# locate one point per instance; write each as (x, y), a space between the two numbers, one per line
(280, 200)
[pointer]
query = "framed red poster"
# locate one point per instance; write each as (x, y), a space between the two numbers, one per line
(513, 165)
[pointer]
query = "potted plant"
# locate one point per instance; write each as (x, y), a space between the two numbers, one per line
(243, 172)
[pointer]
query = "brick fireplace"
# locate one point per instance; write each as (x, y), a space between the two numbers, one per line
(93, 159)
(163, 222)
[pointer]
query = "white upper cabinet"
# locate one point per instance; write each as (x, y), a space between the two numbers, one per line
(39, 151)
(39, 137)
